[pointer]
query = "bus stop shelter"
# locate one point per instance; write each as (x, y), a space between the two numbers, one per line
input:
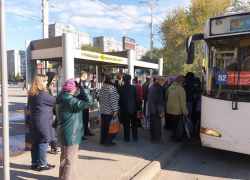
(61, 49)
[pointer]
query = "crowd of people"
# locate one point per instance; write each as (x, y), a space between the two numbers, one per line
(168, 98)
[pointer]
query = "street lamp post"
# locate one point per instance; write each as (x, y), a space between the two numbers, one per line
(4, 90)
(152, 5)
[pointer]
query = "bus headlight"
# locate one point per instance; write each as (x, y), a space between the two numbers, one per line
(210, 132)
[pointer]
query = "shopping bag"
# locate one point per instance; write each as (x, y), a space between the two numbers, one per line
(146, 123)
(114, 126)
(188, 126)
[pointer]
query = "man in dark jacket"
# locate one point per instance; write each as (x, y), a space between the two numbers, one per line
(190, 91)
(85, 113)
(145, 87)
(129, 103)
(155, 107)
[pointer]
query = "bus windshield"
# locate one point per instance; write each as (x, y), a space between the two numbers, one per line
(226, 74)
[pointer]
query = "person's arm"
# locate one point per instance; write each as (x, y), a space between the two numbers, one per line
(137, 99)
(183, 102)
(194, 89)
(113, 99)
(47, 99)
(77, 105)
(89, 86)
(141, 92)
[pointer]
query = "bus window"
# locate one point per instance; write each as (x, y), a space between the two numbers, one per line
(228, 72)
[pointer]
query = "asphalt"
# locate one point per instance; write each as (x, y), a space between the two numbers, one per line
(139, 160)
(202, 163)
(126, 160)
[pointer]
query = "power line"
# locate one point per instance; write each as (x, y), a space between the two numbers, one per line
(20, 10)
(124, 13)
(135, 21)
(24, 16)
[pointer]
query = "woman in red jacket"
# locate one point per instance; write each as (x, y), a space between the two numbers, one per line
(140, 92)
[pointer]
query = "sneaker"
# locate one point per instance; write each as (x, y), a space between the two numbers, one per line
(55, 151)
(46, 167)
(33, 166)
(49, 147)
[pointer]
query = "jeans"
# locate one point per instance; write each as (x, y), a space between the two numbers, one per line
(39, 153)
(189, 108)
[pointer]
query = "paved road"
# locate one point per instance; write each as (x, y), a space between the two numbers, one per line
(17, 98)
(198, 163)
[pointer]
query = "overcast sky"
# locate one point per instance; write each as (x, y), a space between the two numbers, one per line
(89, 16)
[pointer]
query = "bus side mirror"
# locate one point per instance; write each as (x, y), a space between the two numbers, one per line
(190, 53)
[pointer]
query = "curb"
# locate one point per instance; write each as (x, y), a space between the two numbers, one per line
(154, 167)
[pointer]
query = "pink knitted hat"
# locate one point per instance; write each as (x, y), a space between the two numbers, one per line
(69, 85)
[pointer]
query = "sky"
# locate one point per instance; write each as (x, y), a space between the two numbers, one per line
(23, 19)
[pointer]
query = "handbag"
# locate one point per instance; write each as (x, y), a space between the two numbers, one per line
(139, 115)
(114, 126)
(54, 123)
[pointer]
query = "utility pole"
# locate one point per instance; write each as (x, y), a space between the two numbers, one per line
(4, 97)
(152, 27)
(152, 5)
(45, 12)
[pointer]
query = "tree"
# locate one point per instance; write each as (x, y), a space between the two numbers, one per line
(88, 47)
(12, 77)
(240, 5)
(183, 21)
(18, 77)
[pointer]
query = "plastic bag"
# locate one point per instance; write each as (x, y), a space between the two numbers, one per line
(99, 118)
(188, 126)
(146, 123)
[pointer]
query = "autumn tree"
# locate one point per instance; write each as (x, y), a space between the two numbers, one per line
(181, 22)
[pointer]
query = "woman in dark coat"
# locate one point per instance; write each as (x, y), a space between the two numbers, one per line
(41, 104)
(52, 78)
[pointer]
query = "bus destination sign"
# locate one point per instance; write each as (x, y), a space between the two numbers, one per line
(231, 78)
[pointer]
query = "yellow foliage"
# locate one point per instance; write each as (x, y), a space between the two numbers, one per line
(181, 22)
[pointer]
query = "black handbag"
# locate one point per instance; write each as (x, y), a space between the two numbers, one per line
(54, 123)
(27, 118)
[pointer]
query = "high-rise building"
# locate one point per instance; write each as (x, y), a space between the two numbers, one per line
(140, 51)
(16, 62)
(107, 44)
(80, 38)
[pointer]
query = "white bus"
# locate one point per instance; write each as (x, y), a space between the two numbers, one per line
(225, 116)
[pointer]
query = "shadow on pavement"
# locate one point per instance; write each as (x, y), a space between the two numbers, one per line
(198, 160)
(20, 174)
(94, 158)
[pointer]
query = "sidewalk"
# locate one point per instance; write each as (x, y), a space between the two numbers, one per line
(97, 162)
